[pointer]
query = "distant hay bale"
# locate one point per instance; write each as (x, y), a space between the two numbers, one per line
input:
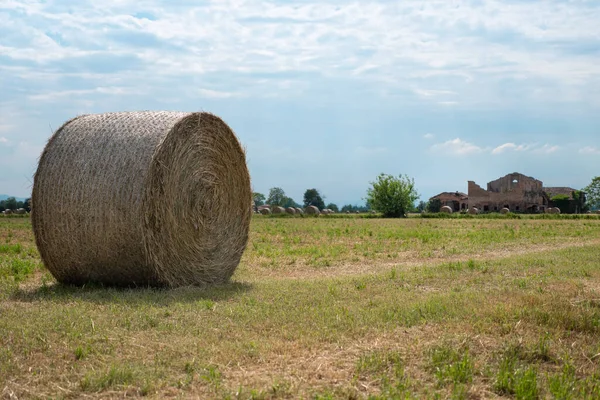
(156, 198)
(347, 212)
(473, 211)
(504, 210)
(299, 210)
(277, 210)
(446, 209)
(8, 212)
(290, 210)
(20, 211)
(312, 210)
(265, 211)
(598, 212)
(358, 212)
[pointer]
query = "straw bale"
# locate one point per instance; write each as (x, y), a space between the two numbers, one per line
(155, 198)
(504, 210)
(312, 210)
(265, 211)
(299, 210)
(446, 209)
(277, 210)
(473, 211)
(8, 212)
(290, 210)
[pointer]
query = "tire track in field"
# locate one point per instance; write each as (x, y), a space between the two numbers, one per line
(353, 269)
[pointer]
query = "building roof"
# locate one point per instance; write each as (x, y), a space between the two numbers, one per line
(460, 195)
(554, 191)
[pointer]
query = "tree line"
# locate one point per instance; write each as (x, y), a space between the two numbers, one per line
(12, 203)
(312, 197)
(391, 196)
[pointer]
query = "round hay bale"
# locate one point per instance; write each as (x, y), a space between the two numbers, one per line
(265, 211)
(290, 210)
(299, 211)
(358, 212)
(312, 210)
(156, 198)
(446, 209)
(473, 211)
(347, 212)
(20, 211)
(277, 210)
(8, 212)
(556, 210)
(504, 210)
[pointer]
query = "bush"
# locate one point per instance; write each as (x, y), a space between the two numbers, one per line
(391, 196)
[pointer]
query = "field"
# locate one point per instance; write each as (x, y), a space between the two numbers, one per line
(324, 308)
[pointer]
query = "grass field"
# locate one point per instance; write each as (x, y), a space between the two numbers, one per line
(324, 308)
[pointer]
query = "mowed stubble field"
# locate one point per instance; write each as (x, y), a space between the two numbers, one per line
(323, 308)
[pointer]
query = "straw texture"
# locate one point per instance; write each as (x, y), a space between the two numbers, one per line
(312, 210)
(154, 198)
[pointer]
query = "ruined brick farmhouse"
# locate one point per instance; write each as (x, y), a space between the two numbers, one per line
(517, 192)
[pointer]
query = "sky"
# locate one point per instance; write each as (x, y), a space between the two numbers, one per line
(321, 94)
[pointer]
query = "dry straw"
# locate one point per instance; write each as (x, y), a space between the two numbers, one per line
(290, 210)
(312, 210)
(277, 210)
(142, 198)
(473, 211)
(446, 209)
(504, 210)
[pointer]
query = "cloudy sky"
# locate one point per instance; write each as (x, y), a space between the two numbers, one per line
(323, 94)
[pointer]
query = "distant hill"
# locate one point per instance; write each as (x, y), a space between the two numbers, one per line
(5, 196)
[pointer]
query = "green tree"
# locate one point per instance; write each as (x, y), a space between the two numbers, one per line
(391, 196)
(259, 198)
(27, 205)
(421, 206)
(592, 192)
(276, 197)
(333, 207)
(289, 202)
(434, 205)
(312, 197)
(10, 203)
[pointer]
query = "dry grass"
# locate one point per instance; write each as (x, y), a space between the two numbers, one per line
(178, 189)
(482, 322)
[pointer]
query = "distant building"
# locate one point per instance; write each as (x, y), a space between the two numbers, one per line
(457, 201)
(517, 192)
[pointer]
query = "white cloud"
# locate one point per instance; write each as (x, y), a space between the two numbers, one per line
(429, 136)
(589, 150)
(432, 93)
(407, 44)
(457, 147)
(54, 95)
(3, 140)
(215, 94)
(547, 149)
(512, 146)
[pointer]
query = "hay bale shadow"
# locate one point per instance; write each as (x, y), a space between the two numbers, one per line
(99, 294)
